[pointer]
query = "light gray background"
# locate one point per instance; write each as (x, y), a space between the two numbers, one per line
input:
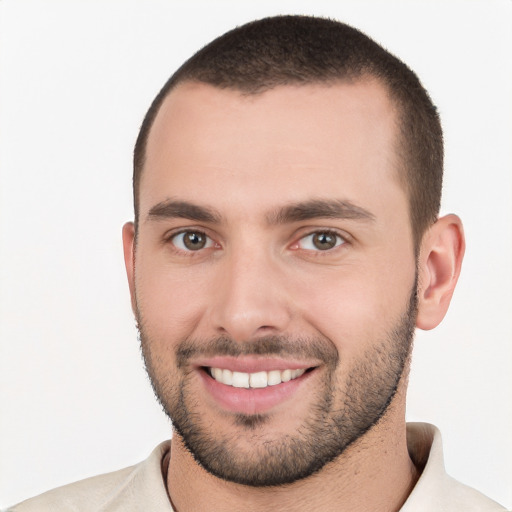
(75, 80)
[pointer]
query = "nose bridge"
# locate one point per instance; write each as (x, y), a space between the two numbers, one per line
(249, 300)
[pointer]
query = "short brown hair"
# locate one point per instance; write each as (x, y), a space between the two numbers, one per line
(294, 50)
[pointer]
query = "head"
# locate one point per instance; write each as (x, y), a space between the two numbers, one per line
(287, 184)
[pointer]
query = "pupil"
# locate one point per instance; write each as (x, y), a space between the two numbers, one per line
(324, 241)
(194, 241)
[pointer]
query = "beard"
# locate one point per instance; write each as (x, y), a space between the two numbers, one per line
(339, 414)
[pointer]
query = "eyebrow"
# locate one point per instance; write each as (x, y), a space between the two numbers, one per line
(294, 212)
(171, 209)
(319, 208)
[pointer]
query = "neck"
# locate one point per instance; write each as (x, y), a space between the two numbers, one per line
(374, 473)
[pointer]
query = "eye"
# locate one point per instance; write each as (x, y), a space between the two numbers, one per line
(321, 241)
(191, 241)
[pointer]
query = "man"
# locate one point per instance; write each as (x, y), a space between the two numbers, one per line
(286, 243)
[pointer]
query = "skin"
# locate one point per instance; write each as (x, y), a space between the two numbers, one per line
(246, 157)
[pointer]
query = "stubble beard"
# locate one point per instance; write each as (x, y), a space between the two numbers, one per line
(250, 454)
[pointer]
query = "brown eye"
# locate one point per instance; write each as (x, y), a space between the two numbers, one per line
(324, 241)
(321, 241)
(192, 241)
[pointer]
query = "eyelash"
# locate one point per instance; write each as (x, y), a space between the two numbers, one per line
(340, 241)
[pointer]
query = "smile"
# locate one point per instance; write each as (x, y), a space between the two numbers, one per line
(260, 379)
(253, 385)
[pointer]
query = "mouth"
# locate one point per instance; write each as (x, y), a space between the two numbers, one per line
(253, 386)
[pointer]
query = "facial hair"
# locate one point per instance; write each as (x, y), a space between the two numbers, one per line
(339, 414)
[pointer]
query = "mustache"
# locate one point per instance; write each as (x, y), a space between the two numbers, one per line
(320, 348)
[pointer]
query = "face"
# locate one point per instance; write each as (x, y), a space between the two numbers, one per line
(275, 279)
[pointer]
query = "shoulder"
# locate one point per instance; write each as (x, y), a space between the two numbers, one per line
(94, 493)
(468, 499)
(137, 487)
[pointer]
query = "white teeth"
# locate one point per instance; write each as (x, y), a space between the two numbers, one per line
(254, 380)
(286, 375)
(240, 380)
(258, 380)
(217, 373)
(296, 373)
(274, 377)
(227, 377)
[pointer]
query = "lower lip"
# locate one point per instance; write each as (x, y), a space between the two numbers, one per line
(252, 400)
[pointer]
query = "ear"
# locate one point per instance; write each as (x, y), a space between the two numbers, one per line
(129, 258)
(439, 263)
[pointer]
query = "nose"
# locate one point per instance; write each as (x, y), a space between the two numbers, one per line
(250, 299)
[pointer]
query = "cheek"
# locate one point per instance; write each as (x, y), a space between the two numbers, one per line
(341, 311)
(170, 301)
(357, 308)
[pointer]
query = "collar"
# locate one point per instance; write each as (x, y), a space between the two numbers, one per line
(435, 490)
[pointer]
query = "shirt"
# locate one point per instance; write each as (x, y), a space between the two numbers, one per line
(142, 487)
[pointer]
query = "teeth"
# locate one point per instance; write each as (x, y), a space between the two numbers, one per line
(217, 373)
(286, 375)
(254, 380)
(258, 380)
(240, 380)
(274, 377)
(227, 377)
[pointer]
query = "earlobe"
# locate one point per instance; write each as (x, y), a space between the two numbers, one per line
(439, 264)
(129, 257)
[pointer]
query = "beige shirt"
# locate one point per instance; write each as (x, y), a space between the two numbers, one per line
(142, 487)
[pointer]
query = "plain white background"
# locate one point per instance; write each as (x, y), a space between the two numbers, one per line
(75, 80)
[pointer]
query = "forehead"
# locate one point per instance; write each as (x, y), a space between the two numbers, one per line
(304, 140)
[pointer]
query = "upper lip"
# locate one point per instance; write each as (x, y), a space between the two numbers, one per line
(252, 364)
